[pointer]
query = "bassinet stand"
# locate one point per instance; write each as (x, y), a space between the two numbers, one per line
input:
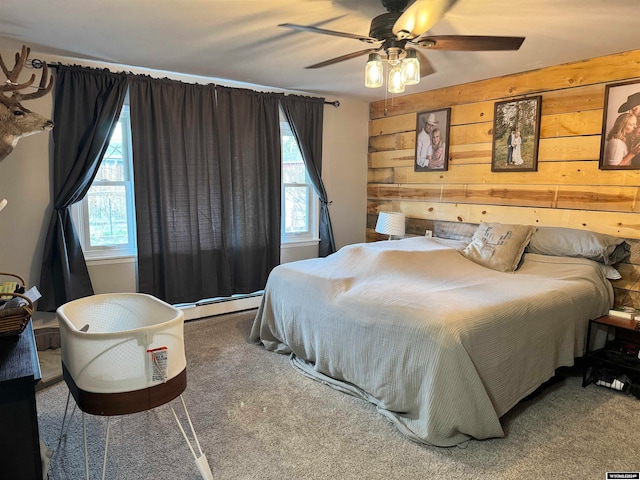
(111, 404)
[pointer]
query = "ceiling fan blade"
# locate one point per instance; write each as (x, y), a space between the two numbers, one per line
(469, 43)
(426, 67)
(419, 17)
(342, 58)
(305, 28)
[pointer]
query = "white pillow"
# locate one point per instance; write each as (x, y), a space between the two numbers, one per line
(610, 272)
(498, 246)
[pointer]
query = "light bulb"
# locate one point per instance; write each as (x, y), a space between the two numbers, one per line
(396, 79)
(411, 66)
(373, 72)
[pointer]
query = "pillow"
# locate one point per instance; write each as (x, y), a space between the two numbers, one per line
(498, 246)
(570, 242)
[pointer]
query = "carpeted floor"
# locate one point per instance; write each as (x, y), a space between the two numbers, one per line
(258, 418)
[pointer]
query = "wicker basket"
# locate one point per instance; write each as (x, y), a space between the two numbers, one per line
(13, 321)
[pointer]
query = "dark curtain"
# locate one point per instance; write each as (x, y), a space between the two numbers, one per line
(250, 163)
(207, 186)
(305, 115)
(87, 103)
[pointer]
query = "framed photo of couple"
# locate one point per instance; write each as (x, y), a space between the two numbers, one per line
(516, 131)
(432, 140)
(620, 144)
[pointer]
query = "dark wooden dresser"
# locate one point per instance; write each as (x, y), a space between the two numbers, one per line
(19, 437)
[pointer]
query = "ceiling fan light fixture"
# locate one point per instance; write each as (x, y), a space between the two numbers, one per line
(395, 83)
(393, 55)
(411, 66)
(406, 23)
(420, 17)
(373, 72)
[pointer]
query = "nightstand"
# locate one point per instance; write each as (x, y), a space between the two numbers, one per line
(619, 355)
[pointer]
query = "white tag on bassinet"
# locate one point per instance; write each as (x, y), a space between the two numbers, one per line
(158, 364)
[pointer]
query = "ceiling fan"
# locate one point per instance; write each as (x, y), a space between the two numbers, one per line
(395, 35)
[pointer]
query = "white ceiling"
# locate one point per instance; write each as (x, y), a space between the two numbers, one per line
(240, 40)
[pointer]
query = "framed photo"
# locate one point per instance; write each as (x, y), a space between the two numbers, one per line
(516, 131)
(620, 144)
(432, 141)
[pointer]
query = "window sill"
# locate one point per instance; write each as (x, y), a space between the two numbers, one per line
(111, 260)
(300, 243)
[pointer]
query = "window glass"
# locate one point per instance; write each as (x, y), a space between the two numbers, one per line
(107, 206)
(299, 201)
(293, 169)
(296, 209)
(105, 217)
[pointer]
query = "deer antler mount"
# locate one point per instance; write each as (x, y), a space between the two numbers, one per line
(15, 120)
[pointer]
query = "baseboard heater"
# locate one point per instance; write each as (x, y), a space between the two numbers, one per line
(220, 305)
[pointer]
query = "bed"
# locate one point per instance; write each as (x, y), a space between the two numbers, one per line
(441, 344)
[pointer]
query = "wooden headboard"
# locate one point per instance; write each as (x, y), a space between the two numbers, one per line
(626, 290)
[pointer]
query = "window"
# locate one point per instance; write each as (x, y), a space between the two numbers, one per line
(105, 218)
(299, 200)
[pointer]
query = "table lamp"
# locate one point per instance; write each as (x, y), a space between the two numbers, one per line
(390, 223)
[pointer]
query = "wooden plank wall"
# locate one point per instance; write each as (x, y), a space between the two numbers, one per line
(567, 190)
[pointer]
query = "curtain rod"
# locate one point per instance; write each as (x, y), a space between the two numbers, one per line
(36, 63)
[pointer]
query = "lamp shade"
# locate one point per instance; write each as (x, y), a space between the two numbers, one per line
(390, 223)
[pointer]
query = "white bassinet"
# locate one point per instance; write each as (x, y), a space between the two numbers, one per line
(124, 353)
(109, 342)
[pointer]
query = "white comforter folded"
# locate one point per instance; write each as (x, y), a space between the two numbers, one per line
(443, 346)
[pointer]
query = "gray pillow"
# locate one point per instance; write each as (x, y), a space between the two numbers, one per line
(571, 242)
(498, 246)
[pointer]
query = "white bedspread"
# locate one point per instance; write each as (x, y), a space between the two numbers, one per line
(444, 347)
